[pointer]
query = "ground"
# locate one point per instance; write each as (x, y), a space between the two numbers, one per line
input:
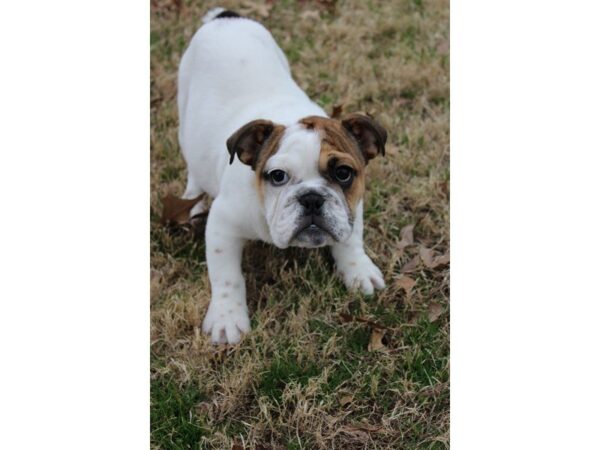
(322, 367)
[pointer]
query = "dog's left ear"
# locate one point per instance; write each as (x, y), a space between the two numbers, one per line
(369, 134)
(248, 141)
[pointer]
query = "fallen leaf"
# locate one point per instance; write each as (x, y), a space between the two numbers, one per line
(310, 14)
(431, 261)
(391, 149)
(402, 101)
(346, 399)
(441, 260)
(258, 8)
(337, 111)
(346, 317)
(426, 255)
(375, 342)
(443, 186)
(406, 283)
(406, 233)
(407, 237)
(176, 211)
(167, 5)
(411, 265)
(434, 311)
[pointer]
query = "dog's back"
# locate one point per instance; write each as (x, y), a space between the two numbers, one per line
(232, 72)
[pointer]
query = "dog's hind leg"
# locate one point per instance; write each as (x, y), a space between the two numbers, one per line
(193, 191)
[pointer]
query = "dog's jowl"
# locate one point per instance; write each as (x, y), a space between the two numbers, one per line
(279, 169)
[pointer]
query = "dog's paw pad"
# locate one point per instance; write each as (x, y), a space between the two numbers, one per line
(362, 275)
(226, 322)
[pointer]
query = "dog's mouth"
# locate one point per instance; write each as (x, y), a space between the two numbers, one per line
(312, 231)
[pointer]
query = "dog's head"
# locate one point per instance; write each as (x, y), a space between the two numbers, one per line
(311, 175)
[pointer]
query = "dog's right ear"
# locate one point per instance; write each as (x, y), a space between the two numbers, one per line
(248, 141)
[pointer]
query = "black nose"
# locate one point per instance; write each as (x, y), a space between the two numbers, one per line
(312, 202)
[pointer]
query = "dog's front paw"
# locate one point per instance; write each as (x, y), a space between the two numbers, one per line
(225, 321)
(361, 274)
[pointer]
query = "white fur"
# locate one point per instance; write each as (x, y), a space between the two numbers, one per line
(233, 72)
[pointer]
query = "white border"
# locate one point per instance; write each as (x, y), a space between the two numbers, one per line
(74, 319)
(524, 224)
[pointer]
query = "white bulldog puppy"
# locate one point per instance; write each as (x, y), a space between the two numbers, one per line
(277, 167)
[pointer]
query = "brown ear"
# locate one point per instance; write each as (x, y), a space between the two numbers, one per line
(371, 136)
(249, 140)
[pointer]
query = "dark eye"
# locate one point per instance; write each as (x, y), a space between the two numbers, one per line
(343, 174)
(278, 177)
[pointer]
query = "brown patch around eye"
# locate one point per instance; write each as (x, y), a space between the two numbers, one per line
(330, 159)
(338, 149)
(269, 149)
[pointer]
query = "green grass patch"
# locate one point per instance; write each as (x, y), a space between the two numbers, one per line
(172, 416)
(283, 371)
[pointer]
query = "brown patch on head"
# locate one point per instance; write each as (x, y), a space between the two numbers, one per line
(255, 143)
(340, 146)
(368, 134)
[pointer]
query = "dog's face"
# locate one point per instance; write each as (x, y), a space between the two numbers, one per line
(310, 176)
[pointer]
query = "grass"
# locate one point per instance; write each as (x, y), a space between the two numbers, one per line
(304, 377)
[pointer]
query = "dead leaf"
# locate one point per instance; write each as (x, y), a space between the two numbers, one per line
(310, 14)
(426, 255)
(434, 311)
(441, 260)
(167, 5)
(406, 283)
(431, 261)
(406, 233)
(176, 211)
(411, 265)
(261, 9)
(346, 399)
(337, 111)
(375, 342)
(407, 237)
(346, 317)
(443, 186)
(391, 149)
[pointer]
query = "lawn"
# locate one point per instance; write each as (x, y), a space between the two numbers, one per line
(322, 368)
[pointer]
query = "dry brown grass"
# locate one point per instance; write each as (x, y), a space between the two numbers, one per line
(304, 378)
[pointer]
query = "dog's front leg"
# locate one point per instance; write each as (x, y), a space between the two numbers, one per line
(356, 268)
(227, 315)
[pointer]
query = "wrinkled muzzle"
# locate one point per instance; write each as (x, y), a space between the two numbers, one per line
(311, 218)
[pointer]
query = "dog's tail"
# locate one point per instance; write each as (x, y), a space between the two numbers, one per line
(219, 13)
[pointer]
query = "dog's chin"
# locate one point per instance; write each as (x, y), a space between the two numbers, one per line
(312, 236)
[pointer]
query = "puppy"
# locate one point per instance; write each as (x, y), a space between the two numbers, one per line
(277, 167)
